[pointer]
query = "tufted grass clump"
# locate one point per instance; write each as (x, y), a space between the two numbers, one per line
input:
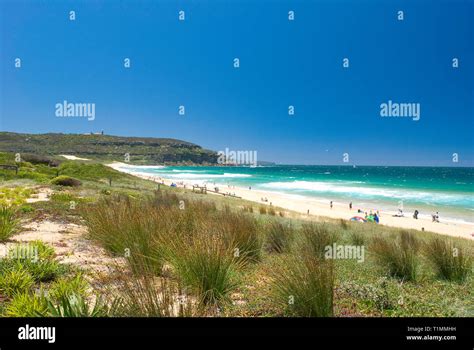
(279, 237)
(398, 254)
(451, 263)
(9, 223)
(304, 286)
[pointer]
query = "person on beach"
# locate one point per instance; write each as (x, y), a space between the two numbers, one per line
(350, 205)
(376, 218)
(330, 204)
(308, 211)
(415, 214)
(435, 217)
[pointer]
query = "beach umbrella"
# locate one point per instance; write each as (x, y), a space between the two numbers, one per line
(358, 218)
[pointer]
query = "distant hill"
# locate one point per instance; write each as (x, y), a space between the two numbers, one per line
(142, 150)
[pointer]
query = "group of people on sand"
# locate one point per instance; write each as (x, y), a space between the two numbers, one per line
(372, 216)
(434, 217)
(375, 217)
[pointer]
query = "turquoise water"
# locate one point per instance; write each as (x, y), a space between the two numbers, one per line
(428, 189)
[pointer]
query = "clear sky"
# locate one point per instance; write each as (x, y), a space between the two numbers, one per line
(282, 63)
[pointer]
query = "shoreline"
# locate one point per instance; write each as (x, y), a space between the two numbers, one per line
(316, 207)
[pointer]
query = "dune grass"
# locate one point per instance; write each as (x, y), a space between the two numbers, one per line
(357, 238)
(279, 236)
(315, 237)
(151, 296)
(240, 233)
(206, 266)
(451, 262)
(127, 228)
(398, 254)
(304, 286)
(204, 246)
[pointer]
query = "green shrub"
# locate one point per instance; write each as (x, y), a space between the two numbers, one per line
(63, 197)
(45, 270)
(64, 180)
(303, 286)
(32, 250)
(9, 224)
(75, 305)
(37, 258)
(450, 262)
(65, 287)
(375, 294)
(26, 209)
(39, 159)
(14, 281)
(26, 305)
(398, 254)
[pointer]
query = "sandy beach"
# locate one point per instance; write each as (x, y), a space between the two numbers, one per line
(301, 204)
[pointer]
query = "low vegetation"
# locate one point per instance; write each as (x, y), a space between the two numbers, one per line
(64, 180)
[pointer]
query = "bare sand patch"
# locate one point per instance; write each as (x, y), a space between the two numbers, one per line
(72, 157)
(69, 243)
(42, 194)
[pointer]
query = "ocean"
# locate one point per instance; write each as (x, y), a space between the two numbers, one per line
(450, 191)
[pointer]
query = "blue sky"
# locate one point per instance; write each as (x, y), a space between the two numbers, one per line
(282, 63)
